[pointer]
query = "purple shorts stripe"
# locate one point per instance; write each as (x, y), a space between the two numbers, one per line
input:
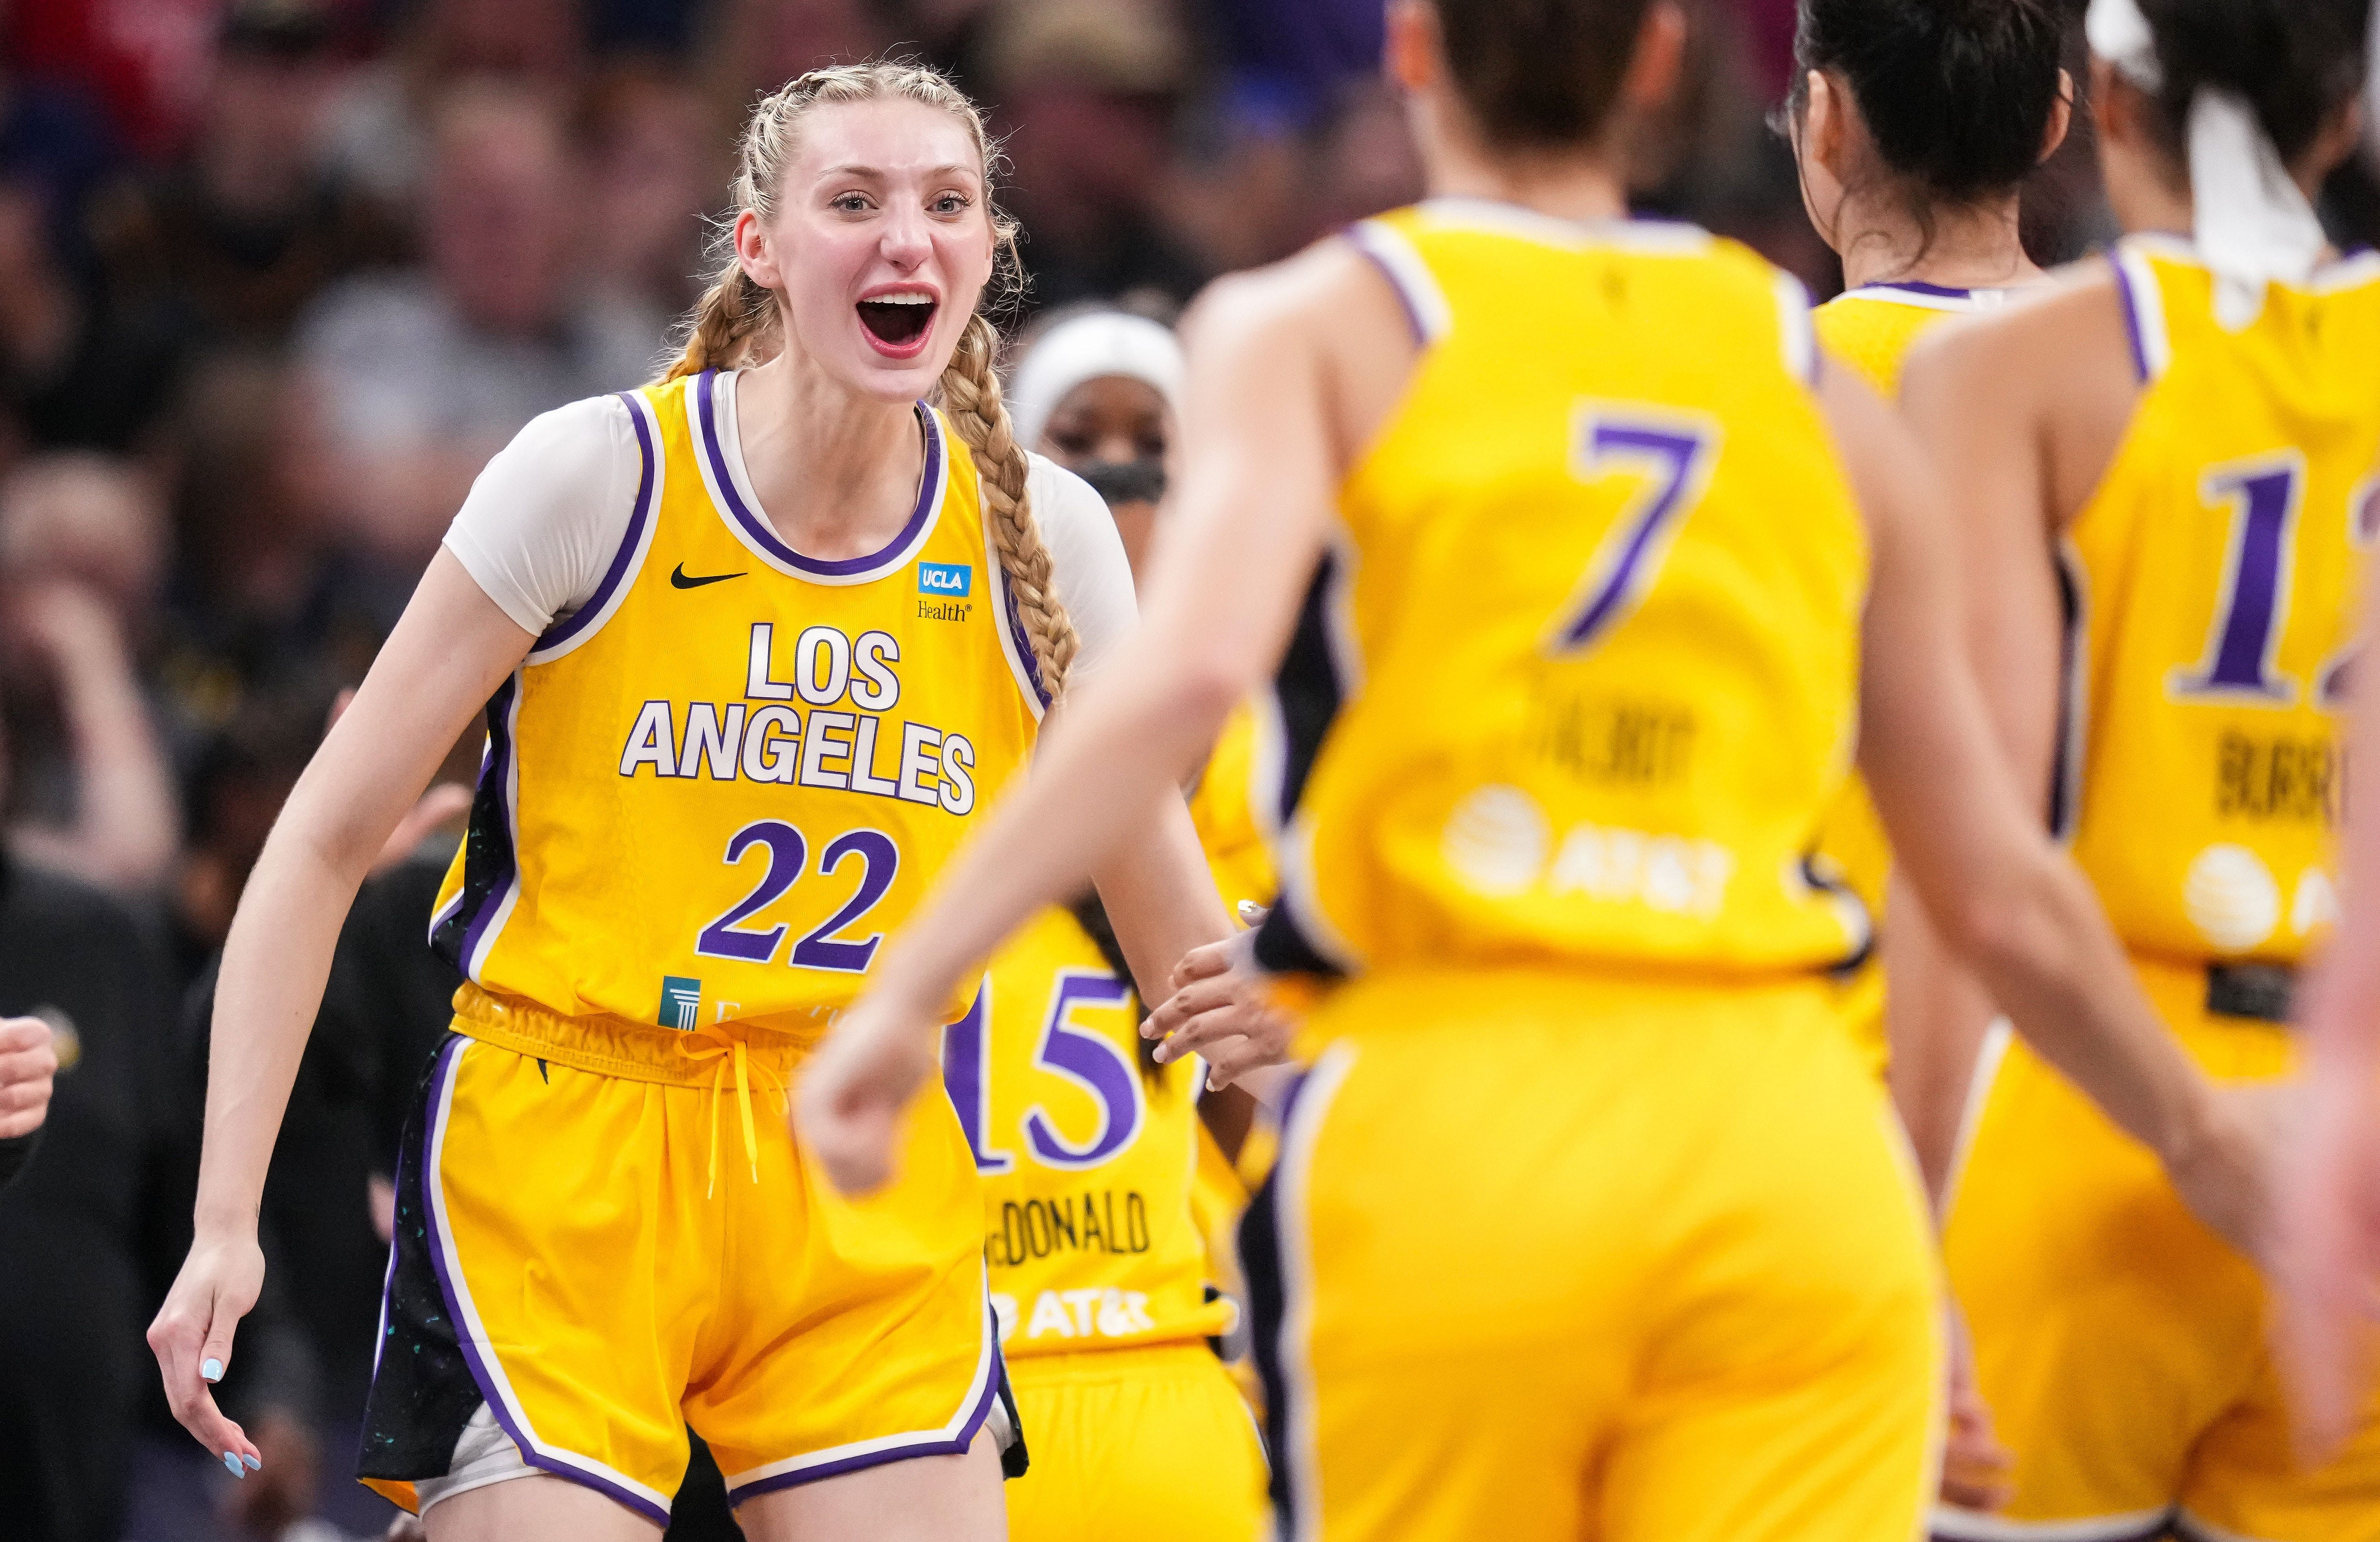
(955, 1445)
(765, 536)
(490, 1389)
(637, 516)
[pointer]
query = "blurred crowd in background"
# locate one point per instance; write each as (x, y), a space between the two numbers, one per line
(276, 277)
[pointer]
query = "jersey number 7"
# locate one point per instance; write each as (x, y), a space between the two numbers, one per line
(1677, 452)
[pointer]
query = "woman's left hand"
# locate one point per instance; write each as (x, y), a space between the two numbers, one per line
(858, 1081)
(1219, 1010)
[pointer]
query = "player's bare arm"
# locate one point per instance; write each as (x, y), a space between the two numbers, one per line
(447, 654)
(1978, 857)
(1260, 460)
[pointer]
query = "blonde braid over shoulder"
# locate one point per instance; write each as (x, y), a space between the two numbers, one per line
(971, 396)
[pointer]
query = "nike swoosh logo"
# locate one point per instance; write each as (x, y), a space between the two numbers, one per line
(678, 578)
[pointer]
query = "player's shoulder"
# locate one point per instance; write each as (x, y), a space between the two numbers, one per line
(2036, 336)
(1293, 298)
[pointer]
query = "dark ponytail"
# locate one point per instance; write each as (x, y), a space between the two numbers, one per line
(1540, 74)
(2297, 62)
(1957, 94)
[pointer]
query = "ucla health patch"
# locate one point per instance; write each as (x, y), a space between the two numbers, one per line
(949, 578)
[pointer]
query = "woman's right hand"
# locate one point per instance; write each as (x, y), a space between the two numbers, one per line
(191, 1339)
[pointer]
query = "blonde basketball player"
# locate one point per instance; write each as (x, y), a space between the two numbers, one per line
(755, 643)
(1588, 1220)
(2166, 472)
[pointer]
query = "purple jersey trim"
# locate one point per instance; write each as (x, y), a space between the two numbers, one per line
(766, 538)
(1023, 643)
(1404, 301)
(558, 1466)
(955, 1445)
(642, 511)
(1918, 286)
(2131, 301)
(491, 802)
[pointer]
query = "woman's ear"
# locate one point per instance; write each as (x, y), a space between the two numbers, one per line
(2061, 118)
(1653, 74)
(1822, 125)
(1409, 51)
(754, 251)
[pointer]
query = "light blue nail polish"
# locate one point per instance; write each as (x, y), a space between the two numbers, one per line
(253, 1465)
(231, 1464)
(211, 1371)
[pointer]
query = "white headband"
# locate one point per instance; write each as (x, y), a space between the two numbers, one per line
(2252, 225)
(1089, 348)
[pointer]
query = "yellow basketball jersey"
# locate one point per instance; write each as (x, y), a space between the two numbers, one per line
(1226, 820)
(1872, 328)
(2216, 570)
(713, 790)
(1087, 1158)
(1577, 680)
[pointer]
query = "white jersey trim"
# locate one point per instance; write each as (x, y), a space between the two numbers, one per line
(1424, 302)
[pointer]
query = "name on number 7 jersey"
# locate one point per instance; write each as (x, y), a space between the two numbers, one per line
(711, 791)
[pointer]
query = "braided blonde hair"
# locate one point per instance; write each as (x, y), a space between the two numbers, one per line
(736, 321)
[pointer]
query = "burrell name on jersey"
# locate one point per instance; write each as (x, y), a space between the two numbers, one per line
(714, 789)
(2217, 571)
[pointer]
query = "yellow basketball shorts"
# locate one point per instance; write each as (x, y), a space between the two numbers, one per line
(1152, 1444)
(1560, 1256)
(2122, 1344)
(587, 1245)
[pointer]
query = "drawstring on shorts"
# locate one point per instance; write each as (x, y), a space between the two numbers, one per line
(729, 1052)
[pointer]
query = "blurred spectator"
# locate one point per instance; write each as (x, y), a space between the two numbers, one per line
(1312, 50)
(426, 375)
(1236, 196)
(80, 556)
(1098, 392)
(234, 792)
(1364, 161)
(257, 594)
(29, 1068)
(143, 60)
(651, 160)
(234, 237)
(71, 373)
(385, 120)
(1085, 91)
(756, 45)
(92, 1229)
(56, 148)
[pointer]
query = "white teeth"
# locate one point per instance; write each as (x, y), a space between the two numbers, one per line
(903, 299)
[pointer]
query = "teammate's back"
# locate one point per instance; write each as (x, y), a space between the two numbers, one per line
(2217, 563)
(1587, 652)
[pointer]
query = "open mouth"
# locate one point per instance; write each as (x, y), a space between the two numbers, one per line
(897, 322)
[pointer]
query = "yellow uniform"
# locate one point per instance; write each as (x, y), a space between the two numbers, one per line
(1872, 328)
(708, 796)
(1099, 1273)
(2119, 1343)
(1228, 828)
(1587, 1221)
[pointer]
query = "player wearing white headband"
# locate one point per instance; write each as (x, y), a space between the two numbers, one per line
(2164, 474)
